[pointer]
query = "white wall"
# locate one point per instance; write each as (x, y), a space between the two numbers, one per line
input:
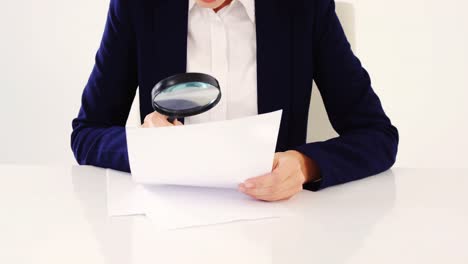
(416, 52)
(47, 51)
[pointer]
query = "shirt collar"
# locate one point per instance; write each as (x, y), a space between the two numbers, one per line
(191, 4)
(249, 6)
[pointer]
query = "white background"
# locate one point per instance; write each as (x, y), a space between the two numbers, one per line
(416, 52)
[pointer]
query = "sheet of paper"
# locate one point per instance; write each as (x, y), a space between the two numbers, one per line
(175, 207)
(218, 154)
(124, 197)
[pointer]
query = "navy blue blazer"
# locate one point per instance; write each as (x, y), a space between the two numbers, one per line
(146, 40)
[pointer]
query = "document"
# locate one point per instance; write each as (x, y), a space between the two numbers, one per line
(187, 176)
(218, 154)
(175, 207)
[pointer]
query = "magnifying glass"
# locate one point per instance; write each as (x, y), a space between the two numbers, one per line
(185, 94)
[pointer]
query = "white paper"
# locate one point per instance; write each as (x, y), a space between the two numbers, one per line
(218, 154)
(175, 207)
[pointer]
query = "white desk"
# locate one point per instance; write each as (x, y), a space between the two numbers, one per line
(58, 215)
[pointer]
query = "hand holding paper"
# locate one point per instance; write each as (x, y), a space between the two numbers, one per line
(291, 170)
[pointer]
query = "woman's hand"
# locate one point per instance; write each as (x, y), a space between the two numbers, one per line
(155, 119)
(291, 170)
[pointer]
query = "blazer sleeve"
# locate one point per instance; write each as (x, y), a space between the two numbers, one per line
(98, 136)
(367, 142)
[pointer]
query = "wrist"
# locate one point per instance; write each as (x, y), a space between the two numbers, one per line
(308, 166)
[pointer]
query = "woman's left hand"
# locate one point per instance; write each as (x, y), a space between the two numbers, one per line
(291, 169)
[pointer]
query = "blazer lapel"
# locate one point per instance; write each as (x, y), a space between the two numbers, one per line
(170, 23)
(164, 50)
(274, 47)
(274, 62)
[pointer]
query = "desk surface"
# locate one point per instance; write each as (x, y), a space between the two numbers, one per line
(58, 215)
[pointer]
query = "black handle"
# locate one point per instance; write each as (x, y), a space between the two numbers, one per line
(171, 119)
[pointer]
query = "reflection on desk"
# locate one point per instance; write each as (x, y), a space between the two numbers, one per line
(58, 215)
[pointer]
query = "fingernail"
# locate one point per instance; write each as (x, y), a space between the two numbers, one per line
(249, 185)
(242, 189)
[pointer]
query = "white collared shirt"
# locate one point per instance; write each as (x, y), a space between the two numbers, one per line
(224, 45)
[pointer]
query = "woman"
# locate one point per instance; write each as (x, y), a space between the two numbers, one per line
(265, 54)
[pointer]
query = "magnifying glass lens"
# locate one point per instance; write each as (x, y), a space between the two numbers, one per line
(187, 96)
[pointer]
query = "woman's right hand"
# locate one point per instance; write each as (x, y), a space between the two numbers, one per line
(156, 119)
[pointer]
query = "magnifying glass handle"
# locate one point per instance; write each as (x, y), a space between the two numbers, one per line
(171, 119)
